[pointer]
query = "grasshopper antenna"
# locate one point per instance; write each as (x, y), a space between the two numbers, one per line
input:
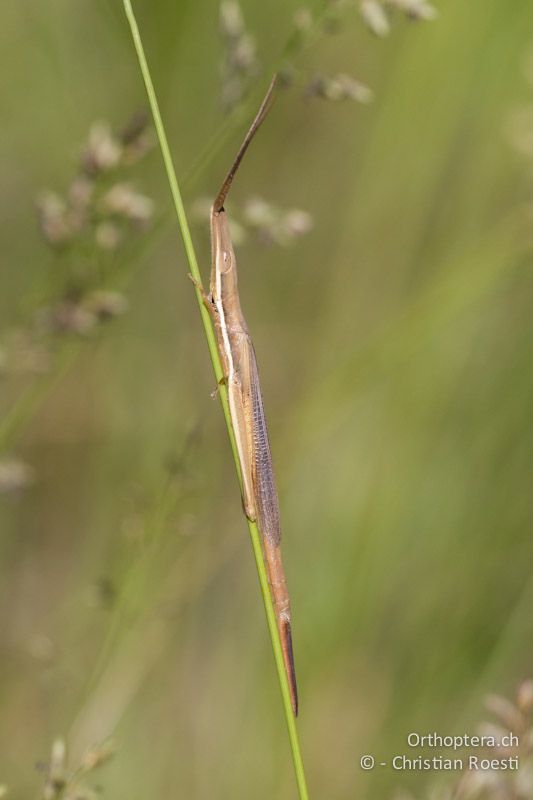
(218, 205)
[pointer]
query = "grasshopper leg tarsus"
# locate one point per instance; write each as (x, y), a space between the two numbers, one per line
(206, 298)
(221, 382)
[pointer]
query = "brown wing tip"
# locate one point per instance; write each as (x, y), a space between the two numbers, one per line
(288, 657)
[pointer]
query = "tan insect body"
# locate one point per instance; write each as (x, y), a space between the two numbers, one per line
(239, 363)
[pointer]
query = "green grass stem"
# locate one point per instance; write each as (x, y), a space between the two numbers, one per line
(217, 367)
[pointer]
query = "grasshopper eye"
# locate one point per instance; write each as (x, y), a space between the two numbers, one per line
(226, 261)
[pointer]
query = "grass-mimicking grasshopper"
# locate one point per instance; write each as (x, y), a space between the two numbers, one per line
(239, 364)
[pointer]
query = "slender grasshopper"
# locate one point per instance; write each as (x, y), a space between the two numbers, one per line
(260, 498)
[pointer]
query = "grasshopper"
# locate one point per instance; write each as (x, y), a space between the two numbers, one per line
(239, 364)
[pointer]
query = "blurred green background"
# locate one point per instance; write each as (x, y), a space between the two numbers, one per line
(394, 342)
